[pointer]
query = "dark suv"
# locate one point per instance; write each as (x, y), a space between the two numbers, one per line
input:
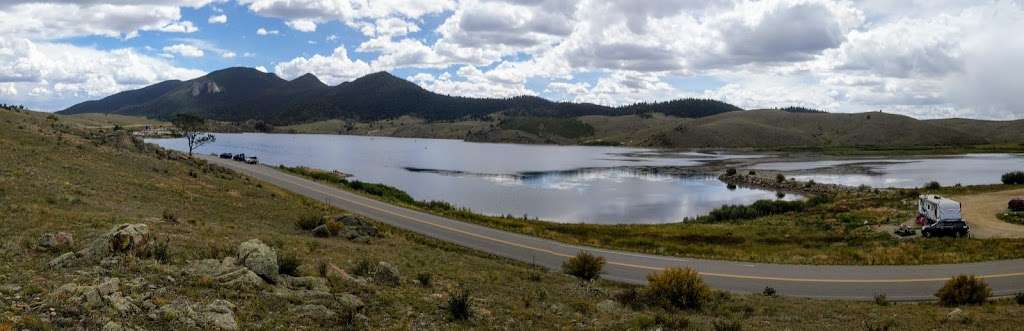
(226, 155)
(239, 157)
(957, 228)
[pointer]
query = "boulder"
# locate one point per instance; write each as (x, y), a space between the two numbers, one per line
(337, 276)
(259, 258)
(955, 315)
(56, 241)
(313, 312)
(322, 231)
(356, 229)
(219, 315)
(386, 274)
(225, 272)
(183, 314)
(124, 238)
(9, 289)
(306, 283)
(350, 301)
(106, 295)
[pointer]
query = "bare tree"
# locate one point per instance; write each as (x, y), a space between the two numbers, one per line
(193, 128)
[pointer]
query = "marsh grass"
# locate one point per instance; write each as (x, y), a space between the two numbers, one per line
(837, 229)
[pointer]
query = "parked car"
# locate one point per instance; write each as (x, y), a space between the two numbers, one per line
(239, 157)
(226, 155)
(252, 160)
(949, 227)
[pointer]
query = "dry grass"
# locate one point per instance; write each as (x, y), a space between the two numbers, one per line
(51, 179)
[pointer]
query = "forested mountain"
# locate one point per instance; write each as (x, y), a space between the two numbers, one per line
(238, 94)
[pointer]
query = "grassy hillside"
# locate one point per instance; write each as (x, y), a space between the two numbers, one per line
(773, 128)
(201, 211)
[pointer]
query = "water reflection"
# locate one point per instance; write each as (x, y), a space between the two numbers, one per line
(557, 183)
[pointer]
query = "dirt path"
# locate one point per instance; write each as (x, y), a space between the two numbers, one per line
(980, 211)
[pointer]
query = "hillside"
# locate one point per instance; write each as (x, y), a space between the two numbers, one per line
(240, 94)
(772, 128)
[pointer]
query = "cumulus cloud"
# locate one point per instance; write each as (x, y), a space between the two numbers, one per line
(302, 25)
(54, 75)
(265, 32)
(228, 55)
(472, 82)
(56, 20)
(217, 19)
(332, 69)
(184, 50)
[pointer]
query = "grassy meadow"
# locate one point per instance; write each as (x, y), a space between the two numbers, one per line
(58, 177)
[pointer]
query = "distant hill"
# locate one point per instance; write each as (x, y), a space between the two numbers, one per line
(774, 128)
(239, 94)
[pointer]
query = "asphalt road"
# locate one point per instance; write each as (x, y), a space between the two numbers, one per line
(831, 282)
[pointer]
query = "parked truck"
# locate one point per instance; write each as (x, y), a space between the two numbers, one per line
(940, 216)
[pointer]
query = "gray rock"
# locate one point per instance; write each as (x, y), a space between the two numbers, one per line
(306, 283)
(322, 231)
(241, 278)
(56, 241)
(350, 301)
(63, 260)
(184, 314)
(122, 238)
(9, 289)
(259, 258)
(313, 312)
(218, 314)
(608, 306)
(386, 274)
(955, 315)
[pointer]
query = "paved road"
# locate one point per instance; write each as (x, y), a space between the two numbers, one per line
(831, 282)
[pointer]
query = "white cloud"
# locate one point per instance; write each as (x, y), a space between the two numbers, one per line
(333, 69)
(228, 55)
(184, 50)
(472, 82)
(302, 25)
(8, 90)
(55, 75)
(180, 27)
(217, 19)
(265, 32)
(50, 21)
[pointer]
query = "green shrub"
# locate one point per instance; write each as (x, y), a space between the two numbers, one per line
(1019, 298)
(671, 321)
(932, 185)
(584, 266)
(1013, 178)
(629, 297)
(780, 178)
(288, 264)
(759, 209)
(310, 222)
(964, 290)
(363, 268)
(425, 279)
(676, 288)
(881, 299)
(752, 173)
(730, 172)
(459, 306)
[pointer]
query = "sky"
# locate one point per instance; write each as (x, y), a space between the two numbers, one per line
(921, 58)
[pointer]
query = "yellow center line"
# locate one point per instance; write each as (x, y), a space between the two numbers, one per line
(300, 183)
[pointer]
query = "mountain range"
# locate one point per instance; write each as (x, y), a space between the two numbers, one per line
(382, 104)
(239, 94)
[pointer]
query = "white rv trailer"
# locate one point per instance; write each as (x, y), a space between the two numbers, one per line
(933, 208)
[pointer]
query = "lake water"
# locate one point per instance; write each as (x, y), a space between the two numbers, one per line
(971, 169)
(555, 183)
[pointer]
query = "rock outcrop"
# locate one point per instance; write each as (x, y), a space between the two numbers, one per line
(259, 258)
(124, 238)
